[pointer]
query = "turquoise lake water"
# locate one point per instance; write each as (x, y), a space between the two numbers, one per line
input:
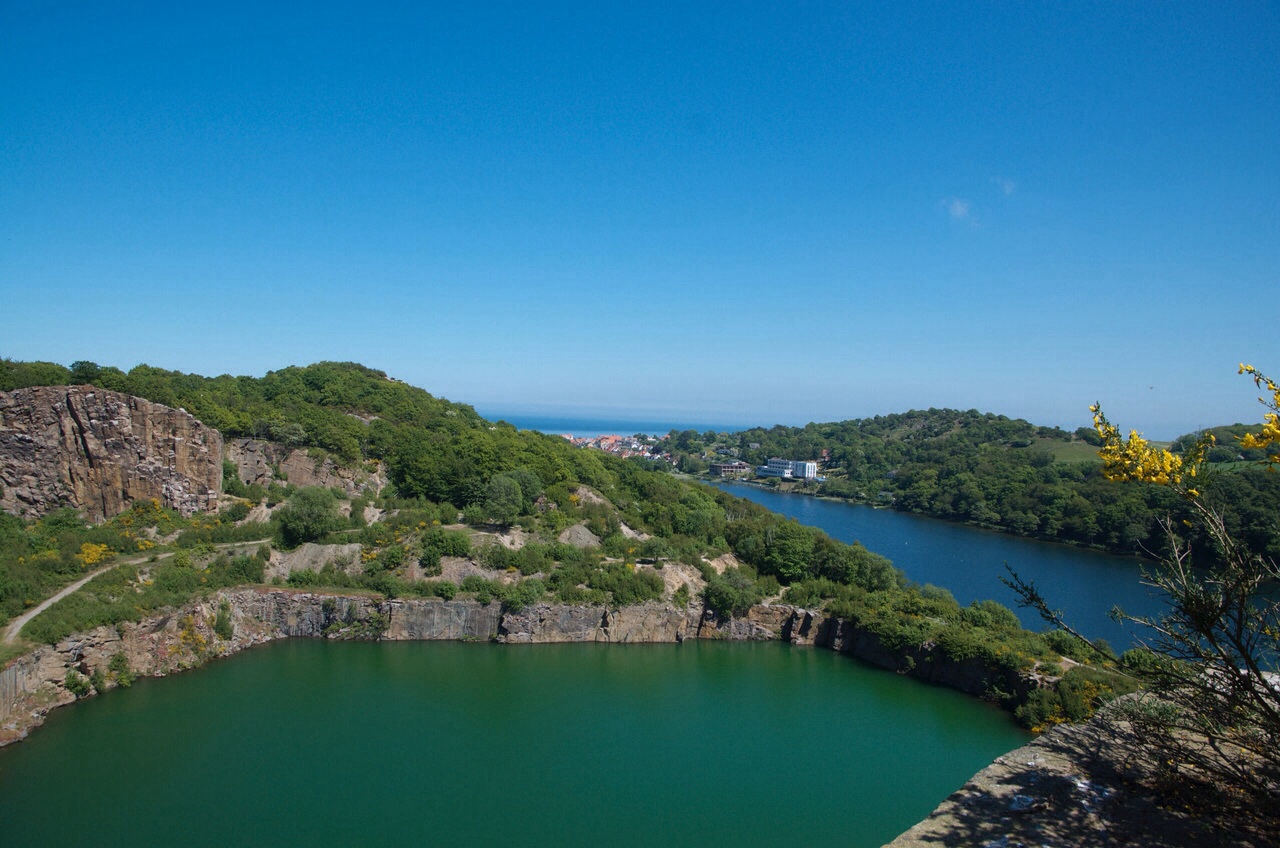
(308, 742)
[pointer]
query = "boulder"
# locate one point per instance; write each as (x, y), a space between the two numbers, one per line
(579, 537)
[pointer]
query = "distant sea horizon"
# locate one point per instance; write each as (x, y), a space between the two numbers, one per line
(589, 426)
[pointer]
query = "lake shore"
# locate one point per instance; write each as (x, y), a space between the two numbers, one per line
(1074, 785)
(185, 638)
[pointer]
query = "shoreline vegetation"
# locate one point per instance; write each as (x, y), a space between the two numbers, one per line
(410, 555)
(1002, 474)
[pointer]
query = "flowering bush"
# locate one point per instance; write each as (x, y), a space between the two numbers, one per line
(1213, 673)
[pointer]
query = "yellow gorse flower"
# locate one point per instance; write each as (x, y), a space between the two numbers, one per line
(92, 554)
(1135, 459)
(1270, 434)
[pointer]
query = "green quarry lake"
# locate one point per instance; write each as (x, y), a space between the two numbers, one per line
(308, 742)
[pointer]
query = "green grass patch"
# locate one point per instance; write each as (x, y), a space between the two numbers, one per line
(1076, 451)
(12, 650)
(132, 592)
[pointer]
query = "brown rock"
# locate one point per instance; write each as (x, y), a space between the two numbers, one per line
(263, 462)
(1076, 785)
(99, 451)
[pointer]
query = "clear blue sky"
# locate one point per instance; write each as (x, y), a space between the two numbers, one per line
(740, 212)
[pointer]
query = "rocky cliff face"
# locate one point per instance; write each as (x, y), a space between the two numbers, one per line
(650, 622)
(99, 451)
(263, 462)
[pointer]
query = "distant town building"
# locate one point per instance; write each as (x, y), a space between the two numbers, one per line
(730, 469)
(804, 470)
(624, 446)
(776, 468)
(789, 469)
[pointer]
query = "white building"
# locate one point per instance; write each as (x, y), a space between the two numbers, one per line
(775, 468)
(804, 470)
(789, 469)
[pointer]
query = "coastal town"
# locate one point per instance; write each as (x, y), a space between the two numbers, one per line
(640, 445)
(654, 448)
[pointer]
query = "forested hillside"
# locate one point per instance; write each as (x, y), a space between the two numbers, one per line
(444, 460)
(1007, 474)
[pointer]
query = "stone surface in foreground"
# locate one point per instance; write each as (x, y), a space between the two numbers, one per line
(1074, 786)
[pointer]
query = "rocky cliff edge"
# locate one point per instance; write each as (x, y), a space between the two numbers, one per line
(98, 451)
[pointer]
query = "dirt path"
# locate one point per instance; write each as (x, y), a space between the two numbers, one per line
(15, 627)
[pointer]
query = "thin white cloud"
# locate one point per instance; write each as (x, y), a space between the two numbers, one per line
(1006, 185)
(957, 208)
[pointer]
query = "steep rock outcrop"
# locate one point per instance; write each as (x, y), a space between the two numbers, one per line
(926, 662)
(99, 451)
(432, 619)
(281, 613)
(1084, 784)
(263, 462)
(649, 622)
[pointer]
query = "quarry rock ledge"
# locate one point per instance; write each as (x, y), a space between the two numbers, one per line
(1074, 786)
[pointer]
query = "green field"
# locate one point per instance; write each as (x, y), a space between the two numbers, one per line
(1074, 451)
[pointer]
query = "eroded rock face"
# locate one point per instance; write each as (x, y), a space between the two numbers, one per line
(1086, 785)
(99, 451)
(263, 462)
(452, 620)
(648, 622)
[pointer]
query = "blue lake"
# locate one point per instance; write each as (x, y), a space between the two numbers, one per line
(969, 562)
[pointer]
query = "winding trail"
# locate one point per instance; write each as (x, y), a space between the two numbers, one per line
(15, 627)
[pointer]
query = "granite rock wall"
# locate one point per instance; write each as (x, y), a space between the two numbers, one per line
(98, 451)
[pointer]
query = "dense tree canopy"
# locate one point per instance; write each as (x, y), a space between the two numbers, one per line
(992, 471)
(310, 513)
